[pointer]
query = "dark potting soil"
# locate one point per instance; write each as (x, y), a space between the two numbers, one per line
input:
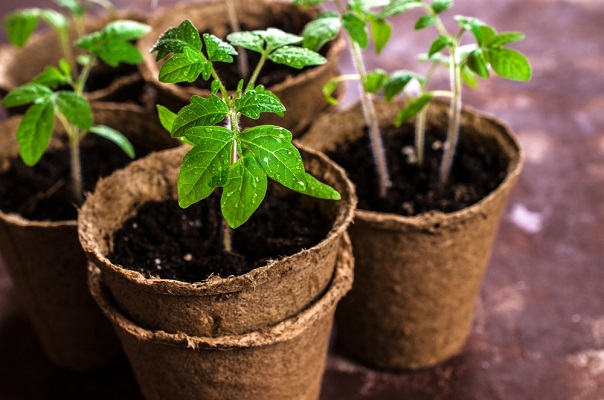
(165, 240)
(475, 173)
(43, 192)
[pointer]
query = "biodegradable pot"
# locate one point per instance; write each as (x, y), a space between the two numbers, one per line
(217, 306)
(417, 278)
(48, 266)
(301, 94)
(19, 66)
(284, 361)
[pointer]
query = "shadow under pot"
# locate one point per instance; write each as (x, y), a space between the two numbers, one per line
(420, 260)
(38, 233)
(300, 91)
(122, 84)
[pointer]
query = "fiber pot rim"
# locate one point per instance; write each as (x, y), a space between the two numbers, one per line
(17, 219)
(9, 52)
(213, 285)
(285, 330)
(150, 71)
(434, 221)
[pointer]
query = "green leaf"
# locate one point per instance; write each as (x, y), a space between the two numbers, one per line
(65, 67)
(296, 57)
(475, 26)
(116, 137)
(247, 40)
(75, 108)
(320, 31)
(51, 77)
(375, 80)
(412, 108)
(397, 82)
(55, 19)
(112, 44)
(468, 77)
(175, 39)
(355, 27)
(380, 31)
(35, 130)
(478, 64)
(510, 64)
(276, 38)
(425, 21)
(72, 5)
(440, 43)
(185, 67)
(206, 166)
(20, 25)
(363, 7)
(26, 94)
(166, 117)
(280, 160)
(316, 188)
(244, 190)
(308, 3)
(201, 112)
(504, 38)
(258, 100)
(328, 90)
(439, 6)
(218, 50)
(398, 7)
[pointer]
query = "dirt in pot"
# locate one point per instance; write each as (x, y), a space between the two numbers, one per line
(43, 192)
(166, 241)
(476, 172)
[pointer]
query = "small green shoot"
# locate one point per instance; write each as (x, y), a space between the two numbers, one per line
(239, 161)
(48, 99)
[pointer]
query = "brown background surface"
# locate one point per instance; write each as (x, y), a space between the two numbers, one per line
(539, 328)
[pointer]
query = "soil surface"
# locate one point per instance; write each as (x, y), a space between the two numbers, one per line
(415, 189)
(44, 191)
(186, 244)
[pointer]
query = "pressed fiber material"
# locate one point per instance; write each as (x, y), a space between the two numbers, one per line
(19, 66)
(301, 95)
(284, 361)
(48, 266)
(417, 278)
(218, 306)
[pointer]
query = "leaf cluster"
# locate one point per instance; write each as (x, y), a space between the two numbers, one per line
(238, 161)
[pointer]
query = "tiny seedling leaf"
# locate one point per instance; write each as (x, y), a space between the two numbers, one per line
(55, 19)
(280, 160)
(320, 31)
(20, 25)
(355, 26)
(398, 7)
(116, 137)
(166, 117)
(201, 112)
(296, 57)
(440, 43)
(26, 94)
(73, 6)
(381, 31)
(259, 100)
(468, 77)
(75, 108)
(412, 108)
(425, 21)
(218, 50)
(51, 77)
(244, 190)
(397, 82)
(206, 166)
(504, 38)
(316, 188)
(375, 80)
(185, 67)
(478, 64)
(510, 64)
(276, 38)
(329, 89)
(35, 130)
(175, 39)
(439, 6)
(247, 40)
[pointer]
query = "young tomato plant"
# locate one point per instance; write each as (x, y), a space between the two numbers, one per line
(238, 160)
(465, 63)
(354, 17)
(112, 46)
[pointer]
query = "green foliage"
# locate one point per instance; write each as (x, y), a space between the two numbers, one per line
(323, 29)
(20, 24)
(116, 137)
(238, 161)
(413, 108)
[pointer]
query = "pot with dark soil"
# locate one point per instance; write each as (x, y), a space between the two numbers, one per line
(298, 89)
(19, 66)
(38, 237)
(421, 252)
